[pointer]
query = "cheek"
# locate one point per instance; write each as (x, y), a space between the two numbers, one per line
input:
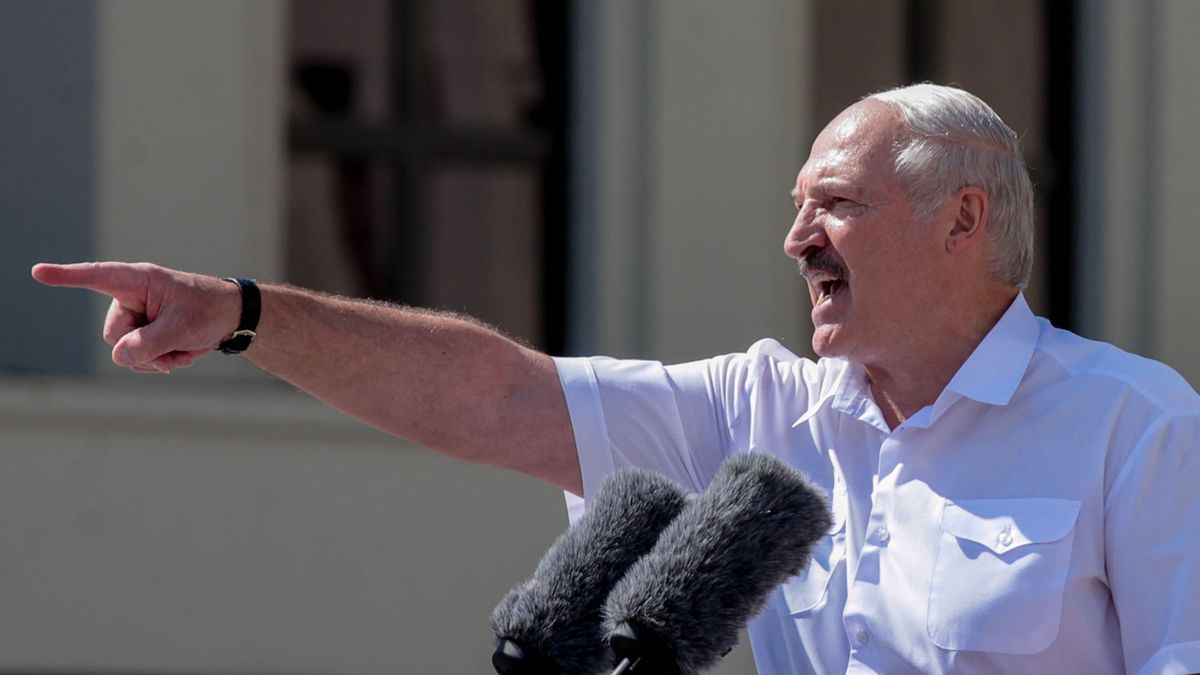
(880, 267)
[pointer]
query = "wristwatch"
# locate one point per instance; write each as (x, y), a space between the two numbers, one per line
(251, 310)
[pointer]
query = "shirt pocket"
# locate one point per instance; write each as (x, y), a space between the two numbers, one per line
(806, 591)
(999, 574)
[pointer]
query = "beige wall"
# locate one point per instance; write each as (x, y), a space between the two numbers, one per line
(728, 123)
(1139, 158)
(170, 526)
(684, 167)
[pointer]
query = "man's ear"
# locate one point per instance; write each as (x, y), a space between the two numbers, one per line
(970, 219)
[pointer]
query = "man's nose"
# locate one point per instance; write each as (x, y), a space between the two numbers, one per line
(806, 233)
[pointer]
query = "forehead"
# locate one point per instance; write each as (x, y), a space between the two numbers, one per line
(857, 147)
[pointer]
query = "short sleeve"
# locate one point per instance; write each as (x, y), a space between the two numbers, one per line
(1152, 516)
(642, 414)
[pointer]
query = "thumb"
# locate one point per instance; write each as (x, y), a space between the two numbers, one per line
(142, 345)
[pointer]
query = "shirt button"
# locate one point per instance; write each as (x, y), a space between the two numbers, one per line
(883, 535)
(1005, 539)
(862, 637)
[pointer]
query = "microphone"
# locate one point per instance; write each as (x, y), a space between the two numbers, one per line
(678, 610)
(552, 623)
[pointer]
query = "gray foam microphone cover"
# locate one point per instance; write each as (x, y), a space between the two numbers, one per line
(558, 612)
(714, 566)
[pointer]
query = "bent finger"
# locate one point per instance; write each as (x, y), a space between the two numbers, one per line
(119, 321)
(195, 355)
(168, 362)
(142, 345)
(180, 359)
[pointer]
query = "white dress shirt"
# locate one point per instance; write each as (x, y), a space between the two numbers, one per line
(1041, 516)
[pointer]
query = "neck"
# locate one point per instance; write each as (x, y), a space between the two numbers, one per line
(913, 378)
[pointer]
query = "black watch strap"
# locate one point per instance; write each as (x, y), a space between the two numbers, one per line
(251, 310)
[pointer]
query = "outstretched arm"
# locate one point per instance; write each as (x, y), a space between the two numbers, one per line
(448, 383)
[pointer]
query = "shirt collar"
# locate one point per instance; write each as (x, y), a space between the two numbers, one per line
(990, 375)
(994, 370)
(848, 395)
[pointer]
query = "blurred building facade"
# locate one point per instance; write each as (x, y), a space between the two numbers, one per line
(592, 177)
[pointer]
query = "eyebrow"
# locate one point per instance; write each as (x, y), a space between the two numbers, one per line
(828, 184)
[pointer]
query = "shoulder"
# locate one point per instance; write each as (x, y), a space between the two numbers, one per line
(1108, 372)
(769, 363)
(766, 370)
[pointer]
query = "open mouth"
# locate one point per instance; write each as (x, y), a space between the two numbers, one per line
(828, 285)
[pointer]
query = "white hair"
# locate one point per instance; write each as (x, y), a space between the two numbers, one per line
(952, 139)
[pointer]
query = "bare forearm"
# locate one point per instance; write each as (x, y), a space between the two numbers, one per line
(445, 382)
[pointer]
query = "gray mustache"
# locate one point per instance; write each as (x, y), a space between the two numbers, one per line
(820, 261)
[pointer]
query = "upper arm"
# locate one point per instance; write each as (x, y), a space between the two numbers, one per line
(536, 428)
(643, 414)
(1152, 558)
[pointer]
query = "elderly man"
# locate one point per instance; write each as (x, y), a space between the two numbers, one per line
(1007, 496)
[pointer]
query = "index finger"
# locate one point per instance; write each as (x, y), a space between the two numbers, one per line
(110, 278)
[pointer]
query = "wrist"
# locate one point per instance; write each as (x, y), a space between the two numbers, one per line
(228, 308)
(249, 302)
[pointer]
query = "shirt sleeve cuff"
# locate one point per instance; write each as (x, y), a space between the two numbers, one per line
(1181, 658)
(582, 392)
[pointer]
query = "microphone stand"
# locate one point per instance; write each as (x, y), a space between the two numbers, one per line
(640, 650)
(626, 666)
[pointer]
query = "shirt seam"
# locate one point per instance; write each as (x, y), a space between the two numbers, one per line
(1131, 385)
(1135, 456)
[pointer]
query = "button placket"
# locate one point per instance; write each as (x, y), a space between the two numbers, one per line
(889, 458)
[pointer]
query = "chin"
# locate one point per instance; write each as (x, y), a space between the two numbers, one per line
(826, 342)
(825, 351)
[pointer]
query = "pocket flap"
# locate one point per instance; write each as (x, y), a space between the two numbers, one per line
(1005, 524)
(805, 591)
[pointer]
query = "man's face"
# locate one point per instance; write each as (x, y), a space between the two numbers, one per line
(870, 266)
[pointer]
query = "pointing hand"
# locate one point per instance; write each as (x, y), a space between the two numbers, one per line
(160, 319)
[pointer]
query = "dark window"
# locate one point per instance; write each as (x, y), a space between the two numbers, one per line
(427, 156)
